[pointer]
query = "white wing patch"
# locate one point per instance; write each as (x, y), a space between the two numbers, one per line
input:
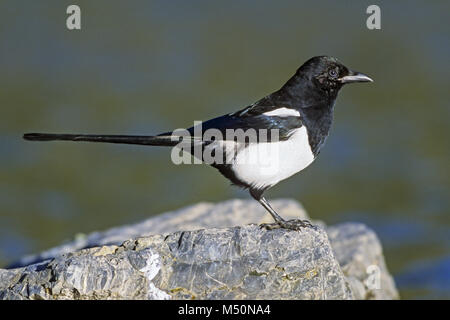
(279, 112)
(283, 112)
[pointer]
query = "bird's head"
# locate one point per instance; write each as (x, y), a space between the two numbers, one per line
(329, 74)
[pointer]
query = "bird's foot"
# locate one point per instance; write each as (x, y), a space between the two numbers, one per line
(294, 224)
(269, 226)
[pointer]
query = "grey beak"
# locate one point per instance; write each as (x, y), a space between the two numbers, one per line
(355, 76)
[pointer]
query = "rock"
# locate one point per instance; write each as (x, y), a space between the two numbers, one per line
(232, 263)
(360, 256)
(181, 255)
(199, 216)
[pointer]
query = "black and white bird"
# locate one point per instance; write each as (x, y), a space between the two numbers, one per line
(301, 112)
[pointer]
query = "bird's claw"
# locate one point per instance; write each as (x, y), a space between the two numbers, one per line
(294, 224)
(269, 226)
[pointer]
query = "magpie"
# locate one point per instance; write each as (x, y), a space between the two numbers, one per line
(300, 112)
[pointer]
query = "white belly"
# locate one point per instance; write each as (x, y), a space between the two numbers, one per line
(265, 164)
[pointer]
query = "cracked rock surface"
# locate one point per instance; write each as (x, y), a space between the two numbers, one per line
(184, 255)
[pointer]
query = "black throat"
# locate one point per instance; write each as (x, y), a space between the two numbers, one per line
(317, 120)
(315, 104)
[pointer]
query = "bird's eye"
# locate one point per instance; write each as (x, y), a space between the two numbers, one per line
(333, 73)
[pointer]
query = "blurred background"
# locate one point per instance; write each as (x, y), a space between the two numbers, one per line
(142, 67)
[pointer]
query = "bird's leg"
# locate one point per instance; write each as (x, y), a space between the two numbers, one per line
(278, 219)
(295, 224)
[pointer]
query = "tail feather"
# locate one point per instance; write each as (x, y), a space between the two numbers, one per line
(165, 140)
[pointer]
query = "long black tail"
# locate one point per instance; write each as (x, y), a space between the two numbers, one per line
(165, 140)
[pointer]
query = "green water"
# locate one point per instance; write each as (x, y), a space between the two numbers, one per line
(143, 67)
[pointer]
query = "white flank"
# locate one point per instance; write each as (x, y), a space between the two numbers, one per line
(283, 112)
(265, 164)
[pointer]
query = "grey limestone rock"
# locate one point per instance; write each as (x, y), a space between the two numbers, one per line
(183, 255)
